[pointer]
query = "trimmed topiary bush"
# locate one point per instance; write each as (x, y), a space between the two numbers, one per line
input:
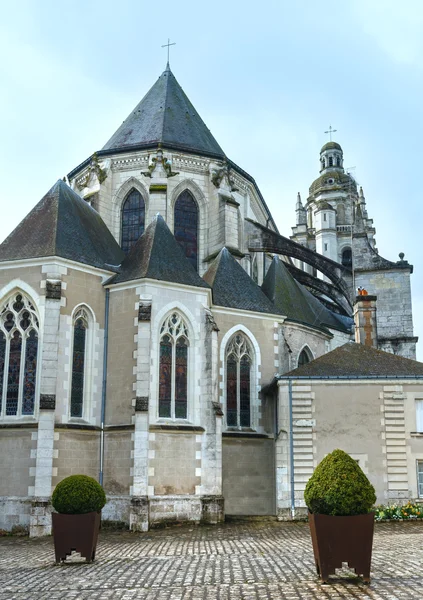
(78, 494)
(339, 487)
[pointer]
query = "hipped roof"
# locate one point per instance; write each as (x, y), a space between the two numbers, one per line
(157, 255)
(62, 224)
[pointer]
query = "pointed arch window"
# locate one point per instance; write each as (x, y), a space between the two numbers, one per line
(304, 357)
(19, 329)
(346, 257)
(186, 226)
(173, 368)
(238, 382)
(133, 219)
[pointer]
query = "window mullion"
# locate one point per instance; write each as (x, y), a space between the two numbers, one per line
(4, 375)
(173, 376)
(21, 375)
(238, 392)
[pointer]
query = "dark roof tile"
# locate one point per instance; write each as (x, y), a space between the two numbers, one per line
(157, 255)
(165, 115)
(357, 360)
(62, 224)
(234, 288)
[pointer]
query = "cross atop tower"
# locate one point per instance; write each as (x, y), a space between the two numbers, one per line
(330, 131)
(167, 46)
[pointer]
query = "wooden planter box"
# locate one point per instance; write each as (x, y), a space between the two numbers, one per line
(75, 532)
(342, 539)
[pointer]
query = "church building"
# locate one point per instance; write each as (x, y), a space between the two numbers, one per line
(154, 323)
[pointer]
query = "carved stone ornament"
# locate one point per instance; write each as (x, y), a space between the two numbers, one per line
(141, 404)
(210, 322)
(217, 407)
(144, 312)
(53, 290)
(159, 166)
(47, 401)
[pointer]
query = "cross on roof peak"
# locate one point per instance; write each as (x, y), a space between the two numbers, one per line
(330, 131)
(167, 46)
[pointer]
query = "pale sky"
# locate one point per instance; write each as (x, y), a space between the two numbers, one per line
(267, 78)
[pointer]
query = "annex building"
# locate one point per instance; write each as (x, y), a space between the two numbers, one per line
(156, 331)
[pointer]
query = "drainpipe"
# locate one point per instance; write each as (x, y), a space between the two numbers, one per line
(291, 450)
(104, 385)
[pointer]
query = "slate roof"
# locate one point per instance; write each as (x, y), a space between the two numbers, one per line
(234, 288)
(296, 302)
(157, 255)
(165, 115)
(62, 224)
(287, 294)
(357, 360)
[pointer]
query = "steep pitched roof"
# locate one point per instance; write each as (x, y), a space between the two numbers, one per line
(296, 302)
(165, 115)
(62, 224)
(234, 288)
(287, 294)
(157, 255)
(357, 360)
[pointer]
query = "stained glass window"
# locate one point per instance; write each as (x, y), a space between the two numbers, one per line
(78, 367)
(231, 391)
(238, 382)
(165, 385)
(2, 361)
(12, 394)
(18, 356)
(28, 395)
(133, 219)
(186, 226)
(173, 376)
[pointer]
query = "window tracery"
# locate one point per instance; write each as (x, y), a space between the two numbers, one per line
(173, 369)
(186, 226)
(133, 219)
(238, 382)
(19, 328)
(81, 321)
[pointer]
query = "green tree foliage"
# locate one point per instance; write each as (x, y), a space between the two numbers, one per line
(339, 487)
(78, 494)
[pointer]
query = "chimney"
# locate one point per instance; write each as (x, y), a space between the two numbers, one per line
(365, 319)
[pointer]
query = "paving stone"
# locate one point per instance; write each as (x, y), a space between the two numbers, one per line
(236, 561)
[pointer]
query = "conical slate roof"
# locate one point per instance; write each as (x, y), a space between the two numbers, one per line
(157, 255)
(234, 288)
(165, 115)
(287, 295)
(357, 360)
(62, 224)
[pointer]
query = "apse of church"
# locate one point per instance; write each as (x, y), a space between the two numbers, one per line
(147, 304)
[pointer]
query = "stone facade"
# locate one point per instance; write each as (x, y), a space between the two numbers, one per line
(158, 469)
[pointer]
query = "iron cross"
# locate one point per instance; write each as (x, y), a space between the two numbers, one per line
(167, 45)
(330, 131)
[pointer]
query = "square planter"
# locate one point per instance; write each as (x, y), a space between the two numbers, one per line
(75, 532)
(342, 539)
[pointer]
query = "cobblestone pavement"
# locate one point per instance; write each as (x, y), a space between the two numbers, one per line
(254, 560)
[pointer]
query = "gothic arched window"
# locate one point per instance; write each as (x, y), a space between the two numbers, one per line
(186, 226)
(173, 369)
(238, 382)
(304, 357)
(19, 328)
(346, 257)
(79, 363)
(133, 219)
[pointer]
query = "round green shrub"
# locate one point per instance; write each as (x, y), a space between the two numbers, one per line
(339, 487)
(78, 494)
